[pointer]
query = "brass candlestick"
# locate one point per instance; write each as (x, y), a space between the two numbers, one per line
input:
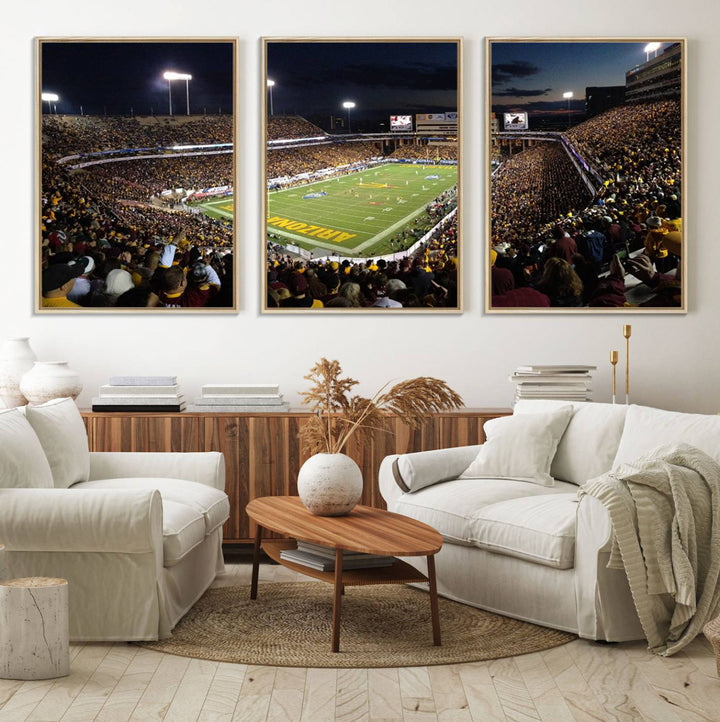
(613, 361)
(627, 330)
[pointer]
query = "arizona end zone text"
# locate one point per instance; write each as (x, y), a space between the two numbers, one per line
(306, 229)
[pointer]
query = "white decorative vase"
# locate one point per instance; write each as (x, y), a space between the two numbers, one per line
(330, 484)
(16, 358)
(49, 380)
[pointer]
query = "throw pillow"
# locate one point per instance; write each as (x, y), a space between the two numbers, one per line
(60, 428)
(520, 447)
(590, 442)
(22, 460)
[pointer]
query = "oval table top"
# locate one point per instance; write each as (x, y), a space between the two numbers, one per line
(364, 529)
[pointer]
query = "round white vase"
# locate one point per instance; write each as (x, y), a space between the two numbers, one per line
(16, 359)
(330, 484)
(49, 380)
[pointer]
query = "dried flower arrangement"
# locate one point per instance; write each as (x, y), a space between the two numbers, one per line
(339, 415)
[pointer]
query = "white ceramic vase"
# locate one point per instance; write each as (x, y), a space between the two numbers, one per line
(49, 380)
(330, 484)
(16, 358)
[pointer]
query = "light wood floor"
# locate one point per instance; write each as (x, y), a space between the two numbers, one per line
(578, 681)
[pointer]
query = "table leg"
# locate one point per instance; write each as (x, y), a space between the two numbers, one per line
(434, 611)
(337, 600)
(256, 563)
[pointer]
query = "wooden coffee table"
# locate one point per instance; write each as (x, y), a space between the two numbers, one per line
(364, 529)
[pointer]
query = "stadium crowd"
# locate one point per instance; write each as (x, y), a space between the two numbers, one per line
(280, 127)
(292, 162)
(444, 151)
(104, 242)
(64, 135)
(553, 245)
(142, 178)
(429, 279)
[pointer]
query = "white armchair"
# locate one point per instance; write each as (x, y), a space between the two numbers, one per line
(138, 536)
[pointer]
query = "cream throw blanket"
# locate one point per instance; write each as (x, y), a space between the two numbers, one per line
(665, 512)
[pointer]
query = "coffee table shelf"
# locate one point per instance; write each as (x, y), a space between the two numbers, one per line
(399, 572)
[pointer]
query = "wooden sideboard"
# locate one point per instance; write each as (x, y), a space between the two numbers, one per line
(262, 454)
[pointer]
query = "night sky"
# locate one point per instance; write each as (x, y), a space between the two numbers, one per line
(313, 79)
(532, 76)
(114, 77)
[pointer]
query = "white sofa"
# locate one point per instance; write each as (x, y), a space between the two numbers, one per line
(538, 551)
(138, 536)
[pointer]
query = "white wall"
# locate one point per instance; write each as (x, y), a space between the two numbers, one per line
(674, 362)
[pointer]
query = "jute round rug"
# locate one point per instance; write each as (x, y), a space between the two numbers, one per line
(289, 625)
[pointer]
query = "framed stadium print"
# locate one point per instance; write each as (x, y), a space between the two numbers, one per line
(361, 192)
(136, 175)
(586, 167)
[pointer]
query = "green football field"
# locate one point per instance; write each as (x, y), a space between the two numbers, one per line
(354, 214)
(358, 213)
(218, 208)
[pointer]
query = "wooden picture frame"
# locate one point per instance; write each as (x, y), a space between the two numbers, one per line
(585, 163)
(361, 143)
(136, 175)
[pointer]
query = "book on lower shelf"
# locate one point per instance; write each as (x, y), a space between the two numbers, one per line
(329, 552)
(320, 562)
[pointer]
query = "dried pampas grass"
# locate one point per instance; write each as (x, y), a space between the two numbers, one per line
(339, 415)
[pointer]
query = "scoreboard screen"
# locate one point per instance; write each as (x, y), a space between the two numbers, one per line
(400, 122)
(515, 121)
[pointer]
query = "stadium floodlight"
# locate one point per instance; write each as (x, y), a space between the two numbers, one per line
(271, 85)
(50, 98)
(651, 48)
(348, 105)
(568, 95)
(171, 75)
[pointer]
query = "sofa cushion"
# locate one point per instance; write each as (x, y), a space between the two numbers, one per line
(540, 529)
(520, 447)
(183, 530)
(647, 428)
(454, 507)
(22, 460)
(212, 504)
(419, 469)
(60, 428)
(591, 439)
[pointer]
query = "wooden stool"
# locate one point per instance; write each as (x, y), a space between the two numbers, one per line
(34, 628)
(712, 631)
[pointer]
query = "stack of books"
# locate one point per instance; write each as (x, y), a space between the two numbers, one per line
(140, 393)
(564, 382)
(322, 558)
(240, 398)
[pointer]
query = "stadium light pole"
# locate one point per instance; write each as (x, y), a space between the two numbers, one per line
(170, 76)
(568, 95)
(348, 105)
(271, 85)
(650, 48)
(50, 98)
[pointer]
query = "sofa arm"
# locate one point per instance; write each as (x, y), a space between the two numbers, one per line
(604, 602)
(204, 467)
(402, 473)
(81, 520)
